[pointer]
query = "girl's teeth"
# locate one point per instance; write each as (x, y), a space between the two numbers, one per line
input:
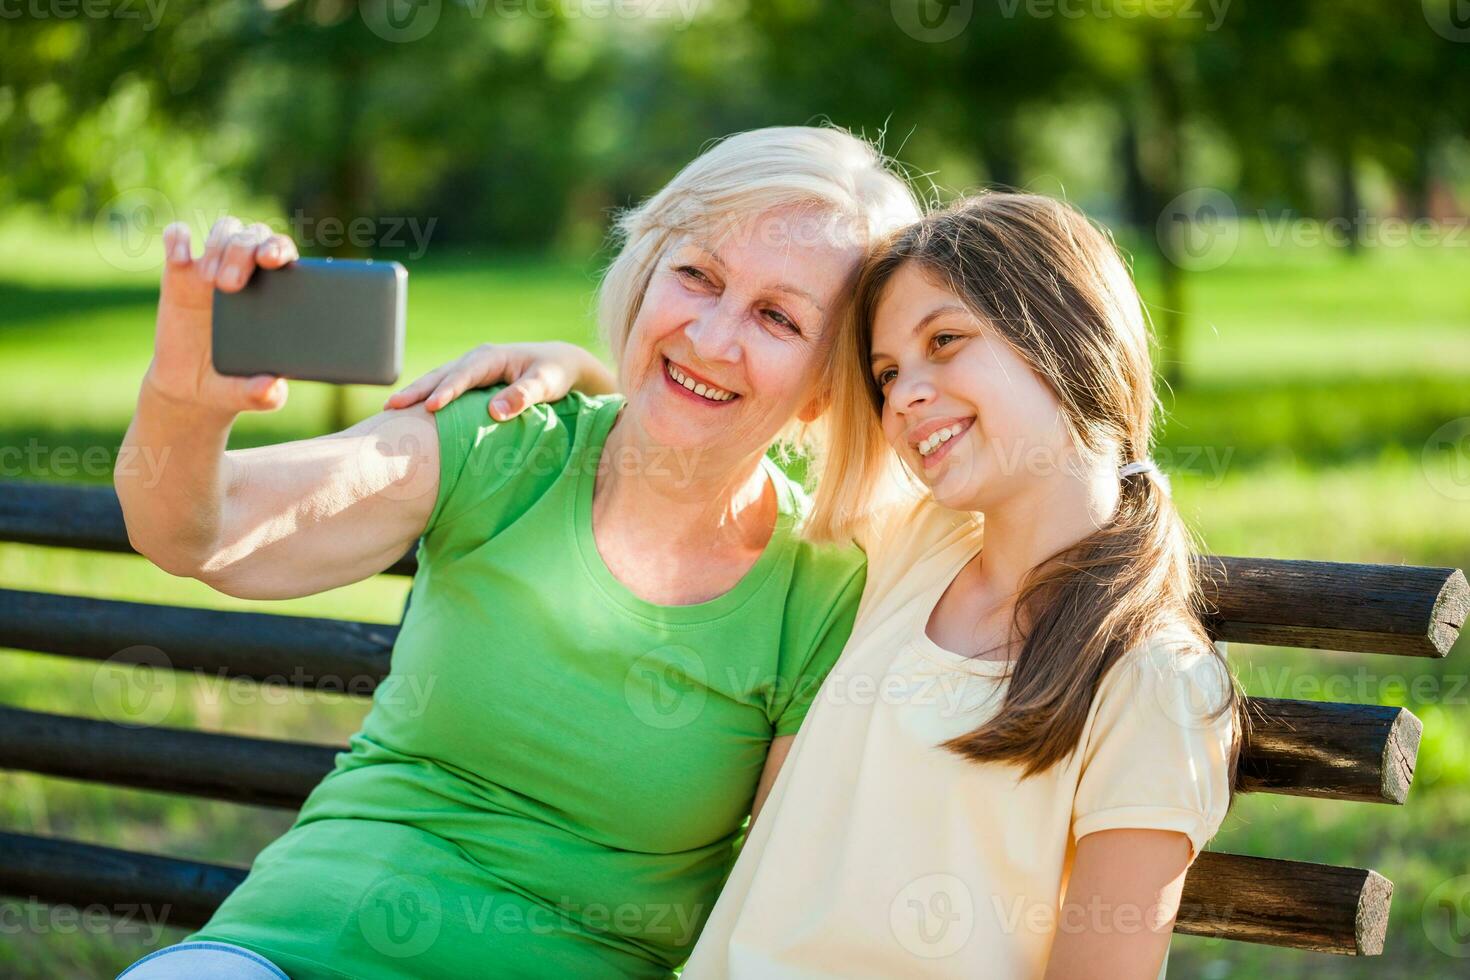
(938, 439)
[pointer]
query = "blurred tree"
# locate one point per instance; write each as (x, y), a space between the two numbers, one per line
(510, 125)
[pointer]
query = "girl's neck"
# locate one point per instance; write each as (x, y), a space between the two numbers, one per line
(1021, 532)
(1024, 530)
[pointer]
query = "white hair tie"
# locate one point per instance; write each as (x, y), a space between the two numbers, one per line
(1144, 466)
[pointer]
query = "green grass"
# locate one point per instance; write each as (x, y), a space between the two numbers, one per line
(1314, 385)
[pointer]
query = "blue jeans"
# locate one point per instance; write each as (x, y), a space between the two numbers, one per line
(218, 961)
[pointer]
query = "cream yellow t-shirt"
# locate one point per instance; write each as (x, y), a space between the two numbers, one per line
(879, 854)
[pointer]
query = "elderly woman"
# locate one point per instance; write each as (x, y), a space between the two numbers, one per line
(620, 624)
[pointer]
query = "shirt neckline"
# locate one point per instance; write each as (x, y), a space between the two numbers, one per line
(780, 543)
(920, 641)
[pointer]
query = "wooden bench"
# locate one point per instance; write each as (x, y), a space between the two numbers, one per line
(1302, 748)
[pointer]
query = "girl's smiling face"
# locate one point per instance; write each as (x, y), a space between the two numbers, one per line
(961, 407)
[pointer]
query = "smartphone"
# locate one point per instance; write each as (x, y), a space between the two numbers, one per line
(336, 320)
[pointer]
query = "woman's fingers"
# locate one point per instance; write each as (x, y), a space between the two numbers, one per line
(276, 251)
(176, 248)
(180, 286)
(263, 392)
(238, 261)
(532, 388)
(418, 390)
(454, 384)
(482, 366)
(486, 365)
(219, 236)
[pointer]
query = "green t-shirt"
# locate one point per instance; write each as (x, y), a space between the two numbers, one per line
(553, 780)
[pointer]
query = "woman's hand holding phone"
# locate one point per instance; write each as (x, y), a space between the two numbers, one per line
(269, 522)
(182, 369)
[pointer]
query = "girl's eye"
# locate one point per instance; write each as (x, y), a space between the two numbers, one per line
(885, 378)
(945, 339)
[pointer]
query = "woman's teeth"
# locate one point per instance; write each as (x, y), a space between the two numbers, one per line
(702, 390)
(937, 439)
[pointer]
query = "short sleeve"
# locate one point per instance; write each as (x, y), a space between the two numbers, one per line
(810, 666)
(1157, 748)
(495, 469)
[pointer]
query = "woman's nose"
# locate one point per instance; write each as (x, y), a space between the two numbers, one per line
(714, 335)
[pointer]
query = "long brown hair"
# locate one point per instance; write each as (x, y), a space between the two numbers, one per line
(1055, 287)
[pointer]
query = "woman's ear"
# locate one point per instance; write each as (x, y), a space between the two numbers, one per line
(813, 409)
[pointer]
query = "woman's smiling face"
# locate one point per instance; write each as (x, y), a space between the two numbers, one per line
(962, 409)
(728, 343)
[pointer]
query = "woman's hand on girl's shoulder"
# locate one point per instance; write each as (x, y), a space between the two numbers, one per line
(536, 373)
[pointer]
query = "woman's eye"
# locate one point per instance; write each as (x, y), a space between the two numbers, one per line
(781, 319)
(690, 272)
(945, 339)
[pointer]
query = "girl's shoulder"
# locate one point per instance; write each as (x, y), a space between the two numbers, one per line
(1174, 670)
(905, 530)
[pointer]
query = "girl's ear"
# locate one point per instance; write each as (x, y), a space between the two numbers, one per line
(813, 409)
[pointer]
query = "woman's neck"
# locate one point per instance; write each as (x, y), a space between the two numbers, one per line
(696, 498)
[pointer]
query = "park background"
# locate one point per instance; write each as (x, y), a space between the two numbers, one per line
(1290, 180)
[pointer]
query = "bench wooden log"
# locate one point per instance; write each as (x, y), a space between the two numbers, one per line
(258, 771)
(1363, 753)
(1286, 903)
(1229, 896)
(302, 651)
(1407, 610)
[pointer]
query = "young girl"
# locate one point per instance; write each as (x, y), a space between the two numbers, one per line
(1024, 745)
(1029, 736)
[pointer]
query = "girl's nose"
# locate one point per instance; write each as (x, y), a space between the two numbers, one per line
(911, 394)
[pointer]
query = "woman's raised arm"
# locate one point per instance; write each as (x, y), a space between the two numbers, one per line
(277, 521)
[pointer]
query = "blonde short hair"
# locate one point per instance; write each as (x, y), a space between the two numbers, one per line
(823, 168)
